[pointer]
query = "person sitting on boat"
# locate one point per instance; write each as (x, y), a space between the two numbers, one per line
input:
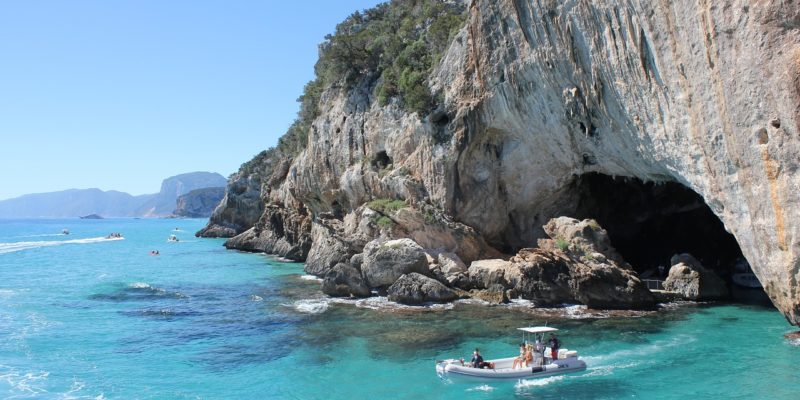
(519, 360)
(554, 346)
(477, 360)
(528, 356)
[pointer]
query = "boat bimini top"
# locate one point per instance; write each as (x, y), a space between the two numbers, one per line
(538, 329)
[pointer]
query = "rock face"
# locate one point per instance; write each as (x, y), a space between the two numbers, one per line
(576, 266)
(344, 280)
(535, 93)
(163, 203)
(241, 207)
(694, 282)
(415, 289)
(385, 262)
(199, 203)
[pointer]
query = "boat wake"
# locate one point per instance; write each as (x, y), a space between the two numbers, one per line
(20, 246)
(529, 383)
(481, 388)
(43, 235)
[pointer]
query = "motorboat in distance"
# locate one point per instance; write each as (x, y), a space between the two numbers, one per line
(542, 366)
(173, 238)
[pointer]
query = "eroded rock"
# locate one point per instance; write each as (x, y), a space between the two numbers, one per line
(693, 281)
(415, 289)
(344, 280)
(385, 261)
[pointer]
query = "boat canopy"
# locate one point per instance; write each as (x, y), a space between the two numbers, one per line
(538, 329)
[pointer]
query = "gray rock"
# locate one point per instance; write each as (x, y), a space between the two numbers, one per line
(494, 294)
(451, 264)
(633, 112)
(199, 203)
(385, 262)
(356, 260)
(485, 273)
(415, 289)
(693, 281)
(344, 281)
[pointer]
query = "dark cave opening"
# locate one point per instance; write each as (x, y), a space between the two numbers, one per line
(649, 222)
(381, 160)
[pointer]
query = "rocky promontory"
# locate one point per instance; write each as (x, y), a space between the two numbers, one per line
(473, 126)
(199, 203)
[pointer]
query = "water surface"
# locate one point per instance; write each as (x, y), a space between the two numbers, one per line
(83, 317)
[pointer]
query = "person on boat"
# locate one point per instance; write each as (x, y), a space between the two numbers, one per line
(554, 346)
(477, 360)
(519, 360)
(528, 355)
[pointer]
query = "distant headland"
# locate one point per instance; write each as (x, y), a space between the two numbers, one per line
(92, 203)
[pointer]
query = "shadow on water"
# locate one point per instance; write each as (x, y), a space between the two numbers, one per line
(137, 292)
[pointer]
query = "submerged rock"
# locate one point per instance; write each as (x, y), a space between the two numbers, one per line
(345, 281)
(693, 281)
(415, 289)
(385, 261)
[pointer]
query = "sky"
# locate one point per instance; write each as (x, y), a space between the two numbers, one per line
(122, 94)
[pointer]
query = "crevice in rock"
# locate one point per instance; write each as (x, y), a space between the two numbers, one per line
(381, 160)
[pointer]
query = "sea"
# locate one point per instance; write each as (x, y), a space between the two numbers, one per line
(85, 317)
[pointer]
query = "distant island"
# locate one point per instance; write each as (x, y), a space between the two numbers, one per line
(111, 203)
(91, 216)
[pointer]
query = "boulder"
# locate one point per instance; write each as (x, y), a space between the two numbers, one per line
(485, 273)
(415, 289)
(344, 280)
(584, 238)
(494, 294)
(384, 262)
(694, 282)
(356, 260)
(451, 264)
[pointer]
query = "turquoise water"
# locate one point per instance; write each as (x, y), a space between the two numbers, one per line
(82, 317)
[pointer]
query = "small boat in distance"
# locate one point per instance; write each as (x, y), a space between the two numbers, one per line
(173, 238)
(65, 231)
(114, 235)
(543, 364)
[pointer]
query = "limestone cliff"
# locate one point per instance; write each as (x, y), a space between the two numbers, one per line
(535, 94)
(198, 203)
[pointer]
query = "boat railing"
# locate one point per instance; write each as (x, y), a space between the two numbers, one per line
(654, 284)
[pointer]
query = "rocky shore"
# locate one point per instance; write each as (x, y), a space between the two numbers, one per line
(531, 99)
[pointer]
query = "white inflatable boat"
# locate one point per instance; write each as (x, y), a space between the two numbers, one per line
(542, 366)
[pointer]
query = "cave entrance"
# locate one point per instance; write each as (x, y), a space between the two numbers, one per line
(648, 222)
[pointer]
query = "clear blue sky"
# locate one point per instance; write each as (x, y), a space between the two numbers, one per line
(121, 94)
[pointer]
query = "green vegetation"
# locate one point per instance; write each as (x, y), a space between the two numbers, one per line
(384, 222)
(562, 244)
(398, 43)
(386, 206)
(392, 47)
(257, 161)
(429, 217)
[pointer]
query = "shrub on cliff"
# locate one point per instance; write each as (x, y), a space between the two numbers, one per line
(394, 45)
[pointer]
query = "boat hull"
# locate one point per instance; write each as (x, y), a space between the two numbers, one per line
(454, 371)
